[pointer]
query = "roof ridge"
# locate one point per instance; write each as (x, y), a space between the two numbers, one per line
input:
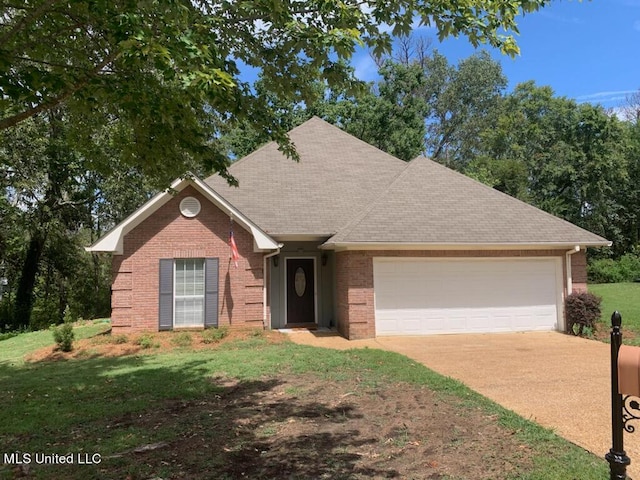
(359, 140)
(348, 228)
(432, 169)
(351, 137)
(313, 119)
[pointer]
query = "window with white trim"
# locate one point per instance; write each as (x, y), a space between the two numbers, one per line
(189, 292)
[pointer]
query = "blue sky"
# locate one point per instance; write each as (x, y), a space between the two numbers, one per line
(585, 50)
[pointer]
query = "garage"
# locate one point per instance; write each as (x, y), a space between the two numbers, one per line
(424, 296)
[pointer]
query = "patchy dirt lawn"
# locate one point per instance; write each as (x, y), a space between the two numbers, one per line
(290, 426)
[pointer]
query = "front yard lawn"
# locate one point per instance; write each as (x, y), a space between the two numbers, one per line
(13, 350)
(255, 405)
(625, 298)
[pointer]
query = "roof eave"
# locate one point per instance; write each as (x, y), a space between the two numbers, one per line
(301, 237)
(341, 246)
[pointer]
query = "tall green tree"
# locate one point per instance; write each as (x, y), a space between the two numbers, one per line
(242, 138)
(41, 189)
(51, 205)
(421, 105)
(461, 99)
(560, 156)
(424, 105)
(388, 114)
(391, 114)
(627, 191)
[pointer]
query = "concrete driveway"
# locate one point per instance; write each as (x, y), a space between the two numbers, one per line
(559, 381)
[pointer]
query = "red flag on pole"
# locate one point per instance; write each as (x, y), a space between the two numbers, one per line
(234, 249)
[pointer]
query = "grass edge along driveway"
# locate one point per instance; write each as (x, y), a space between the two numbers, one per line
(43, 399)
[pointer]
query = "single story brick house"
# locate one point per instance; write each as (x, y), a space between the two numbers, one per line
(349, 238)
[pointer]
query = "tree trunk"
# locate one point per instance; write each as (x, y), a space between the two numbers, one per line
(26, 284)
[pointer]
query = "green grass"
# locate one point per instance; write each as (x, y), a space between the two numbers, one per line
(623, 297)
(72, 405)
(14, 349)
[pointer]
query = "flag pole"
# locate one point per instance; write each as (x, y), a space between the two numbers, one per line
(233, 253)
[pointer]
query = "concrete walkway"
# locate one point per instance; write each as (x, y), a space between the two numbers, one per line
(559, 381)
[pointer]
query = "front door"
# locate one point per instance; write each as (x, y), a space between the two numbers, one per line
(301, 300)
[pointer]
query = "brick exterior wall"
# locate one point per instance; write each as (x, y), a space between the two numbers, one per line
(579, 271)
(354, 288)
(354, 281)
(168, 234)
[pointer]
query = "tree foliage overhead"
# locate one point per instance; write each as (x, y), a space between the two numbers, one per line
(169, 71)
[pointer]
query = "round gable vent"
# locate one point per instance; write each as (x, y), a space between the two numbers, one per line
(190, 207)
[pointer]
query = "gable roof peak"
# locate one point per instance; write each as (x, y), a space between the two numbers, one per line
(337, 176)
(113, 240)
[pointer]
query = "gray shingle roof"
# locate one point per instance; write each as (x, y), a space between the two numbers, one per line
(429, 203)
(347, 188)
(338, 175)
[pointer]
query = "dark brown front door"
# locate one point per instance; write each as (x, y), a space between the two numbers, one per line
(300, 291)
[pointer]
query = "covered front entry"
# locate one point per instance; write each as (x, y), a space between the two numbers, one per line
(301, 286)
(300, 291)
(420, 296)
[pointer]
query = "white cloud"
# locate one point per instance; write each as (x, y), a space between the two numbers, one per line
(606, 96)
(560, 18)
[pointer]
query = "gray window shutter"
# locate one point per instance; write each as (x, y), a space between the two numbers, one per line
(211, 292)
(165, 311)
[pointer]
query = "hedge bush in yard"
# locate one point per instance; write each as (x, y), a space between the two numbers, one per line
(583, 311)
(607, 270)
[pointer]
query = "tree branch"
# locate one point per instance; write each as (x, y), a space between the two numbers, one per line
(30, 112)
(50, 64)
(27, 18)
(70, 203)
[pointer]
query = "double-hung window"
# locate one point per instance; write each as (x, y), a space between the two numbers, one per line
(189, 292)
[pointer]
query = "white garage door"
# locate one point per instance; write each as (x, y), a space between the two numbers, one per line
(415, 296)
